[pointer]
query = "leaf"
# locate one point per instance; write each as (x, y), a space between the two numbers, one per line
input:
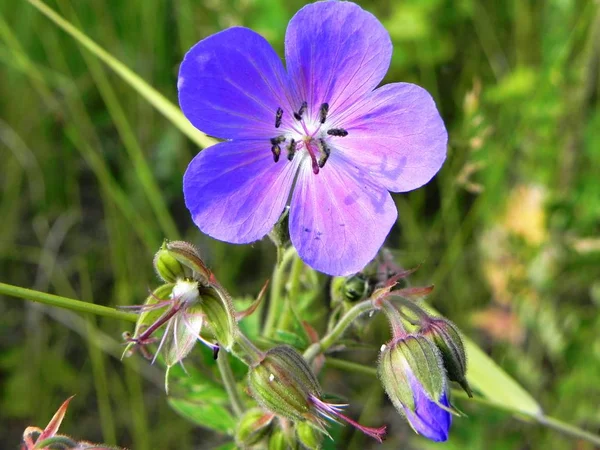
(204, 414)
(155, 98)
(495, 384)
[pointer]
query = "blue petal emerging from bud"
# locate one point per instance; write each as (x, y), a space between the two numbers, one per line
(428, 418)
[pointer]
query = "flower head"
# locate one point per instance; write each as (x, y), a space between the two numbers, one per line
(316, 132)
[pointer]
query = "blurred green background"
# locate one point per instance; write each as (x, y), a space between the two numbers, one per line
(509, 231)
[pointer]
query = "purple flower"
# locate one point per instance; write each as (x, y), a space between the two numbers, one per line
(428, 418)
(318, 135)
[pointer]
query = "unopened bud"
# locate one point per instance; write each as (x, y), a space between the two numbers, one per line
(189, 256)
(308, 436)
(277, 441)
(220, 315)
(446, 337)
(410, 369)
(167, 267)
(283, 382)
(254, 426)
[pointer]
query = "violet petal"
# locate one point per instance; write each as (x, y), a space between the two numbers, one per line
(235, 192)
(231, 85)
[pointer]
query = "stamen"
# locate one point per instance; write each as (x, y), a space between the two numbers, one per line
(278, 117)
(302, 110)
(276, 152)
(291, 150)
(275, 146)
(340, 132)
(323, 112)
(325, 150)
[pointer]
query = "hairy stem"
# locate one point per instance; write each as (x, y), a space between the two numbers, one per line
(328, 340)
(275, 298)
(230, 385)
(66, 303)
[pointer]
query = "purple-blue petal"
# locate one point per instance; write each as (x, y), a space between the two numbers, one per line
(335, 53)
(395, 134)
(339, 218)
(429, 419)
(235, 192)
(231, 84)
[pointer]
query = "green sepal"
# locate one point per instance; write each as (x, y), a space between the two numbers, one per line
(220, 315)
(425, 362)
(167, 267)
(189, 256)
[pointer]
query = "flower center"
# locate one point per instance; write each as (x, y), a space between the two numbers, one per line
(306, 134)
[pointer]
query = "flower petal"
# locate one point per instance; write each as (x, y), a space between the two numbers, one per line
(335, 53)
(235, 192)
(428, 418)
(395, 134)
(339, 218)
(231, 84)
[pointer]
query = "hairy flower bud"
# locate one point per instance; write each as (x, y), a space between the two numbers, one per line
(410, 369)
(282, 383)
(308, 436)
(446, 337)
(280, 234)
(278, 441)
(253, 427)
(167, 267)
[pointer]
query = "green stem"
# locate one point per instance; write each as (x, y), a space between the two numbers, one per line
(246, 351)
(284, 317)
(230, 384)
(319, 347)
(66, 303)
(275, 297)
(550, 422)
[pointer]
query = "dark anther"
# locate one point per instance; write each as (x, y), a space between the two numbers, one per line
(275, 146)
(326, 152)
(216, 352)
(324, 111)
(302, 110)
(276, 152)
(337, 132)
(291, 150)
(277, 140)
(278, 117)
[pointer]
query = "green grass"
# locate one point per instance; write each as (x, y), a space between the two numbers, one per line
(90, 182)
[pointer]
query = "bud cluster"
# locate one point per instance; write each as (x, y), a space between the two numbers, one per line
(416, 366)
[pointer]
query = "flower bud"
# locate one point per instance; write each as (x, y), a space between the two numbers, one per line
(308, 436)
(189, 256)
(446, 337)
(277, 441)
(167, 267)
(220, 315)
(282, 383)
(410, 369)
(254, 425)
